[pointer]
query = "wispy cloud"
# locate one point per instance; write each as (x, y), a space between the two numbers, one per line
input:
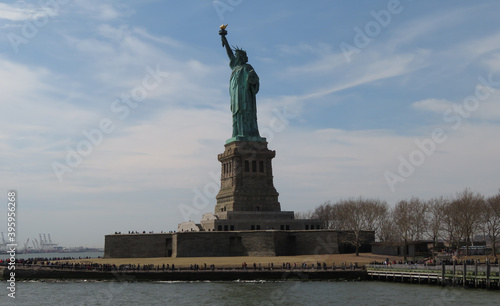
(421, 28)
(433, 105)
(487, 109)
(29, 12)
(104, 11)
(374, 68)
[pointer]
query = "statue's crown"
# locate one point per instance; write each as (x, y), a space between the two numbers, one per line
(238, 49)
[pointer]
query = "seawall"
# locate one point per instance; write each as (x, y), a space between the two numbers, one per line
(187, 275)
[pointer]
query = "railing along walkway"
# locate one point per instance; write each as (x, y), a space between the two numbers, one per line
(476, 275)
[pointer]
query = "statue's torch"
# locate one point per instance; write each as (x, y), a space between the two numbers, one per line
(223, 33)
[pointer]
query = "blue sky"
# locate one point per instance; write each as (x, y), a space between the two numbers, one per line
(384, 99)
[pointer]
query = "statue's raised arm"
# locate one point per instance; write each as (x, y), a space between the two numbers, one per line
(225, 44)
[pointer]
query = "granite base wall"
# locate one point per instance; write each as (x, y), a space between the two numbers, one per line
(219, 244)
(138, 245)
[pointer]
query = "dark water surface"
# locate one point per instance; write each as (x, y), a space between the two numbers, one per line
(242, 293)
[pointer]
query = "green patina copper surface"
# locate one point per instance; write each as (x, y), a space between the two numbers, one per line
(243, 87)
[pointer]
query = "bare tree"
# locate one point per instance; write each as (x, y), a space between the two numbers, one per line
(464, 212)
(304, 214)
(436, 209)
(409, 219)
(491, 220)
(401, 217)
(378, 216)
(337, 212)
(454, 220)
(357, 216)
(454, 235)
(387, 231)
(419, 217)
(493, 201)
(324, 212)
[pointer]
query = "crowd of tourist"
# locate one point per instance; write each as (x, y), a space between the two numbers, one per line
(431, 262)
(144, 232)
(68, 263)
(37, 260)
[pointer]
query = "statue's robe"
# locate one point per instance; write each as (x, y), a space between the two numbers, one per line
(243, 87)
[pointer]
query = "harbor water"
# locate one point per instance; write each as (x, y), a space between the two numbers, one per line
(242, 293)
(88, 292)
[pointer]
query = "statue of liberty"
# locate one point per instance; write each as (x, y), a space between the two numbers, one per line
(243, 86)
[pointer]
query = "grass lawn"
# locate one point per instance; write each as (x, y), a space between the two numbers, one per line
(229, 262)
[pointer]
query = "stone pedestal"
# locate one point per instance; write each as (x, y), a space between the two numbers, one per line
(246, 178)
